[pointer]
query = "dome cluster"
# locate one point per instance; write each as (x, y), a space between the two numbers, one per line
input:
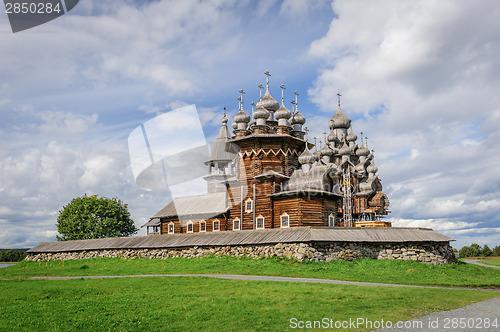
(269, 117)
(339, 151)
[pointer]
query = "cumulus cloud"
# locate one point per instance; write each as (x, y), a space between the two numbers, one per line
(419, 78)
(36, 181)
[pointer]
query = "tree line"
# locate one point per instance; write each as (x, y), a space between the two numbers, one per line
(12, 255)
(475, 250)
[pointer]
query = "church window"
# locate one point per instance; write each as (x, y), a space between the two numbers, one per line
(216, 225)
(285, 220)
(190, 226)
(171, 228)
(260, 222)
(249, 206)
(331, 220)
(236, 224)
(203, 226)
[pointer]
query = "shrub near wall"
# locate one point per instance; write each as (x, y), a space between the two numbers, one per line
(433, 253)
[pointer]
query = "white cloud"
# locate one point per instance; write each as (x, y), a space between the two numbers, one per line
(38, 180)
(418, 79)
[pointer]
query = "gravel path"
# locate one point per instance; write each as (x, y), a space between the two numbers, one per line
(260, 278)
(481, 316)
(476, 262)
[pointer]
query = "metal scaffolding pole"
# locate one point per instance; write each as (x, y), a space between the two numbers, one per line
(347, 199)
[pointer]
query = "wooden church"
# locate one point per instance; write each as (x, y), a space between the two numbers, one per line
(265, 176)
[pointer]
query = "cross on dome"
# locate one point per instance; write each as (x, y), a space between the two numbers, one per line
(241, 97)
(282, 86)
(267, 78)
(260, 90)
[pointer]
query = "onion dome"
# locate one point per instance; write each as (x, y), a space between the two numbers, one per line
(260, 112)
(325, 151)
(339, 120)
(306, 157)
(234, 125)
(352, 136)
(241, 117)
(283, 113)
(332, 137)
(372, 168)
(297, 118)
(362, 151)
(345, 150)
(268, 102)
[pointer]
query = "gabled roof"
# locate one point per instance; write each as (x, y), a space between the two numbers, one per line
(152, 222)
(208, 204)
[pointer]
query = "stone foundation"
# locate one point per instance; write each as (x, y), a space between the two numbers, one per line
(433, 253)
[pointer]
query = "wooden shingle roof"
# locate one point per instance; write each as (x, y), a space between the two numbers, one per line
(209, 204)
(249, 237)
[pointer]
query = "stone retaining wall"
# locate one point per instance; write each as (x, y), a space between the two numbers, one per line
(433, 253)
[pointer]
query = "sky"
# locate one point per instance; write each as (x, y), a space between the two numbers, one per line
(420, 79)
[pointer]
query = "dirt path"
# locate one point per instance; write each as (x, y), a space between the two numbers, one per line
(262, 278)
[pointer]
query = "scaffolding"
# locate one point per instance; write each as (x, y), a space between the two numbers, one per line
(347, 197)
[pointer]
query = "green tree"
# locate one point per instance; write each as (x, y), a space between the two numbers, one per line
(464, 252)
(475, 250)
(496, 251)
(486, 251)
(93, 217)
(12, 255)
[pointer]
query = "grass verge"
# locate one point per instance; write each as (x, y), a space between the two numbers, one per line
(189, 303)
(369, 270)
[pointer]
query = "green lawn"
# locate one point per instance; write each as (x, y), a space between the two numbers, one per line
(387, 271)
(193, 304)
